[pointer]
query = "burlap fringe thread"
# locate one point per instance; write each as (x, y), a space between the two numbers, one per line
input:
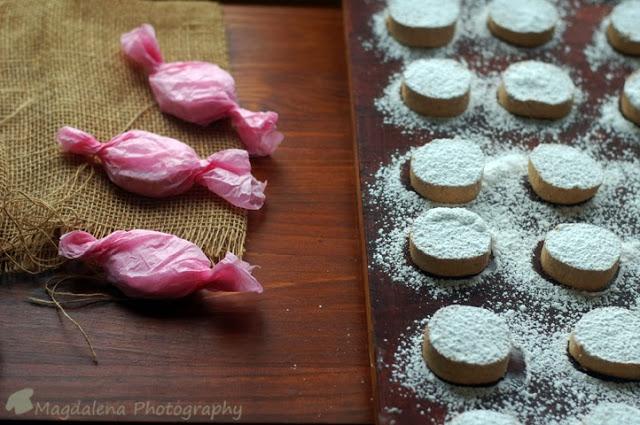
(38, 225)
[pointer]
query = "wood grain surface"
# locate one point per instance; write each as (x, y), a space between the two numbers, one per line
(298, 352)
(395, 307)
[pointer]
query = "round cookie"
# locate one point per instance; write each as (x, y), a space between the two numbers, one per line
(526, 23)
(607, 341)
(436, 87)
(452, 242)
(563, 175)
(612, 414)
(467, 345)
(624, 27)
(630, 97)
(580, 255)
(536, 90)
(423, 23)
(483, 417)
(448, 171)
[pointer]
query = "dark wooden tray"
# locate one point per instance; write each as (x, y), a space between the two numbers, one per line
(394, 307)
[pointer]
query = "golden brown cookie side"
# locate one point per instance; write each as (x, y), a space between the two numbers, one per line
(533, 109)
(460, 372)
(420, 36)
(584, 280)
(432, 107)
(557, 195)
(621, 43)
(448, 267)
(445, 194)
(595, 364)
(529, 39)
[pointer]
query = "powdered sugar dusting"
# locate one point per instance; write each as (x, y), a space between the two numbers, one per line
(626, 19)
(524, 16)
(542, 386)
(438, 78)
(632, 87)
(599, 52)
(472, 34)
(470, 335)
(566, 167)
(483, 115)
(425, 13)
(483, 417)
(583, 246)
(611, 120)
(448, 162)
(451, 233)
(611, 334)
(539, 82)
(613, 414)
(540, 314)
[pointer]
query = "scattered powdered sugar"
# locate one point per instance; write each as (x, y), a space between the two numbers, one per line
(612, 120)
(438, 78)
(425, 13)
(518, 221)
(451, 233)
(524, 16)
(613, 414)
(611, 334)
(483, 115)
(540, 313)
(539, 82)
(583, 246)
(599, 52)
(469, 335)
(542, 386)
(543, 367)
(626, 19)
(472, 35)
(566, 167)
(632, 86)
(483, 417)
(448, 162)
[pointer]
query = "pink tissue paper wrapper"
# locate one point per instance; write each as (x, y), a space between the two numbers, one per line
(199, 92)
(157, 166)
(150, 264)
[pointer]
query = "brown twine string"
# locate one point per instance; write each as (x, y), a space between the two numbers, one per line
(81, 299)
(29, 226)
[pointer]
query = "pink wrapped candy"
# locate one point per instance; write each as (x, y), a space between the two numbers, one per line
(149, 264)
(156, 166)
(199, 92)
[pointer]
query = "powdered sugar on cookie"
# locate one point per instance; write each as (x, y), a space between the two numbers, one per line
(438, 78)
(451, 233)
(523, 16)
(469, 335)
(538, 82)
(583, 246)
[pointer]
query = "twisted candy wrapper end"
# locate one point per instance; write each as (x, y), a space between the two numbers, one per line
(141, 47)
(257, 130)
(150, 264)
(229, 176)
(156, 166)
(77, 141)
(199, 92)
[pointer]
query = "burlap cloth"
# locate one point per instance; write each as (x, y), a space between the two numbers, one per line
(60, 64)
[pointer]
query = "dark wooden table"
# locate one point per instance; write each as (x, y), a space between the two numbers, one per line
(298, 352)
